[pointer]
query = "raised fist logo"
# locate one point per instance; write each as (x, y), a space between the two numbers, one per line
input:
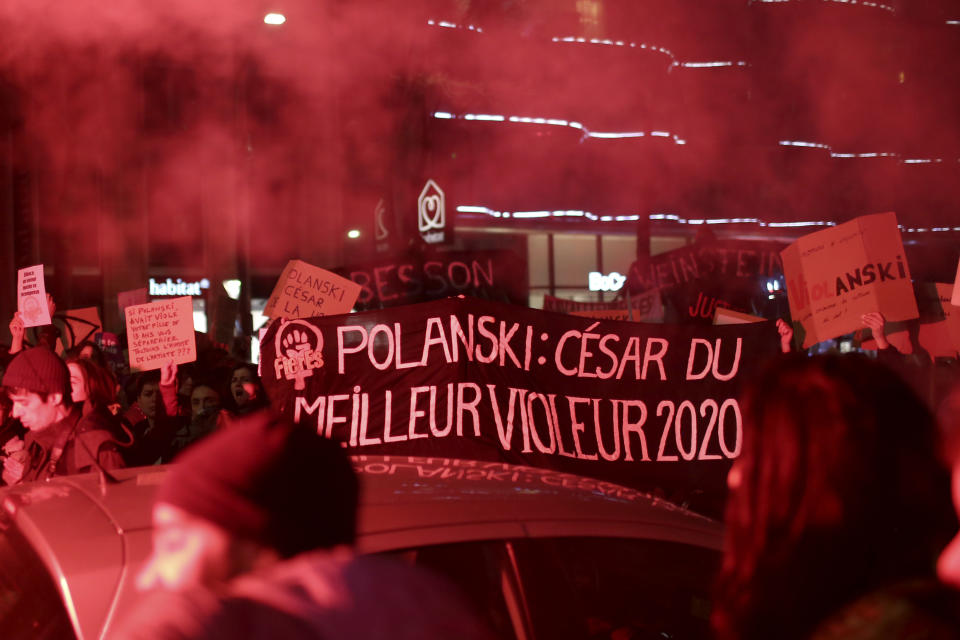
(430, 207)
(296, 343)
(298, 346)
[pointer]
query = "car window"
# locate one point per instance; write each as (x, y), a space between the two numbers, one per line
(30, 606)
(616, 588)
(482, 575)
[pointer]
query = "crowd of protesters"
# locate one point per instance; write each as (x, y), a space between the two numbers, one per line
(839, 521)
(72, 412)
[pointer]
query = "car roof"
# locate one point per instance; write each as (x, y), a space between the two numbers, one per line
(93, 535)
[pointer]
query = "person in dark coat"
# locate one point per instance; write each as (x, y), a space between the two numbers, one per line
(253, 537)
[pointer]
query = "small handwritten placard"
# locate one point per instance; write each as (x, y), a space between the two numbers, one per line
(32, 297)
(158, 332)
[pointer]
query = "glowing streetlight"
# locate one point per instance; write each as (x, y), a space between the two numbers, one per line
(274, 18)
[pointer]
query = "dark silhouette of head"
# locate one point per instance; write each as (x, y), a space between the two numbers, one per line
(838, 491)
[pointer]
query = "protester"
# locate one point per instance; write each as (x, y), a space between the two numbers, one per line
(47, 335)
(786, 335)
(253, 536)
(142, 412)
(17, 331)
(10, 427)
(246, 391)
(204, 413)
(59, 442)
(837, 510)
(93, 389)
(948, 414)
(153, 423)
(88, 350)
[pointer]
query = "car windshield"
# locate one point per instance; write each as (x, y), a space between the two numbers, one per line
(30, 606)
(581, 587)
(613, 588)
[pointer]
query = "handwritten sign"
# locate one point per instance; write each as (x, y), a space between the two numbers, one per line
(129, 298)
(32, 297)
(836, 275)
(955, 300)
(158, 332)
(306, 291)
(729, 316)
(726, 261)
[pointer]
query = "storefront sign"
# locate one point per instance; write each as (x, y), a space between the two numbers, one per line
(431, 214)
(611, 282)
(649, 406)
(169, 287)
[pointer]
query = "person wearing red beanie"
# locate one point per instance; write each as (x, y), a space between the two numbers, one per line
(58, 442)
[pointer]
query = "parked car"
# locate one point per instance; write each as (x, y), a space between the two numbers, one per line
(540, 554)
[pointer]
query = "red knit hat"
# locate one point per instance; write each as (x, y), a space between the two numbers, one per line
(39, 370)
(267, 480)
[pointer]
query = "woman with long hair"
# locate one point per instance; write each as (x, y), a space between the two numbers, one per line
(94, 388)
(838, 508)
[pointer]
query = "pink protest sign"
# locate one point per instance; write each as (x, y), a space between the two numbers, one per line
(836, 275)
(306, 291)
(158, 332)
(955, 299)
(129, 298)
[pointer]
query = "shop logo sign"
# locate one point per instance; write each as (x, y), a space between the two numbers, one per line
(431, 214)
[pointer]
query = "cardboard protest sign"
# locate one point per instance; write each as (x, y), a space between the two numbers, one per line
(432, 275)
(939, 325)
(32, 297)
(649, 406)
(129, 298)
(305, 291)
(836, 275)
(158, 332)
(697, 279)
(728, 316)
(646, 307)
(955, 299)
(727, 260)
(76, 326)
(940, 337)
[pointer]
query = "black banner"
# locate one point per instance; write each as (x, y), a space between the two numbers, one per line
(431, 275)
(714, 260)
(649, 406)
(697, 279)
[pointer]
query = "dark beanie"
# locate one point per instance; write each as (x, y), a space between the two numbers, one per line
(39, 370)
(264, 479)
